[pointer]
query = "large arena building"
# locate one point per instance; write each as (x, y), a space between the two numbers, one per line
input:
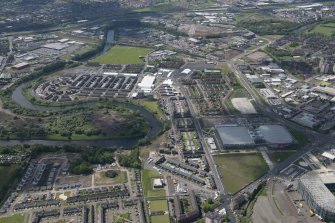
(315, 190)
(235, 136)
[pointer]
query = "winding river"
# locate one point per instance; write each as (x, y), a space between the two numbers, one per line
(155, 125)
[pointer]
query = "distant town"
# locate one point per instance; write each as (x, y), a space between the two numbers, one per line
(167, 111)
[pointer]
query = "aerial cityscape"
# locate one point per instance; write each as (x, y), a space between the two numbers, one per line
(167, 111)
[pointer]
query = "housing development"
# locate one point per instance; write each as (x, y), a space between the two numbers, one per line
(167, 111)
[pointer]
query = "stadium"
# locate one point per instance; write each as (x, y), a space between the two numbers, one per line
(315, 190)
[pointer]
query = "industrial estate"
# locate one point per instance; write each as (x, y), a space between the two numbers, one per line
(167, 111)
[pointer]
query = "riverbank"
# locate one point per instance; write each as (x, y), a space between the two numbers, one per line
(155, 125)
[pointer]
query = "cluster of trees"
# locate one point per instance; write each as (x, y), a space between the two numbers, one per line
(81, 167)
(111, 173)
(67, 125)
(210, 205)
(9, 172)
(162, 27)
(31, 131)
(278, 52)
(171, 63)
(90, 53)
(130, 160)
(270, 26)
(89, 155)
(4, 47)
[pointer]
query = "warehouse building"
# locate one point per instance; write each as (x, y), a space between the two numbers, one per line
(315, 190)
(21, 66)
(147, 84)
(235, 136)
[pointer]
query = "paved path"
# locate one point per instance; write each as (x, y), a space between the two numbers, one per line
(267, 159)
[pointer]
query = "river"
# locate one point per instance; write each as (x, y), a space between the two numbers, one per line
(17, 96)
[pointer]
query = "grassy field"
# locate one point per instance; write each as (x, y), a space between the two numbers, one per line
(158, 205)
(239, 93)
(252, 47)
(17, 218)
(326, 29)
(224, 67)
(238, 170)
(300, 137)
(278, 157)
(153, 107)
(101, 179)
(147, 179)
(160, 219)
(123, 55)
(122, 218)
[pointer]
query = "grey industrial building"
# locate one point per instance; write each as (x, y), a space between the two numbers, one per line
(314, 188)
(235, 136)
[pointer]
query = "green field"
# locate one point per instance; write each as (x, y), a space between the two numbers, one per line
(123, 55)
(122, 218)
(147, 179)
(326, 29)
(300, 137)
(158, 205)
(224, 67)
(239, 93)
(100, 178)
(278, 157)
(153, 107)
(239, 169)
(18, 218)
(160, 219)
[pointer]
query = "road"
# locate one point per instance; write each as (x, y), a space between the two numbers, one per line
(317, 138)
(215, 172)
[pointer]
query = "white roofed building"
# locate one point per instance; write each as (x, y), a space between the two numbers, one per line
(147, 83)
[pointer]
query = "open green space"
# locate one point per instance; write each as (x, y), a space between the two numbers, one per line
(147, 180)
(158, 205)
(160, 219)
(7, 176)
(122, 218)
(224, 67)
(94, 123)
(325, 29)
(153, 107)
(300, 137)
(239, 93)
(101, 178)
(278, 157)
(239, 169)
(161, 6)
(17, 218)
(263, 23)
(123, 55)
(252, 47)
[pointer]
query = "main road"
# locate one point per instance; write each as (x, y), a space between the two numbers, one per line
(209, 156)
(317, 139)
